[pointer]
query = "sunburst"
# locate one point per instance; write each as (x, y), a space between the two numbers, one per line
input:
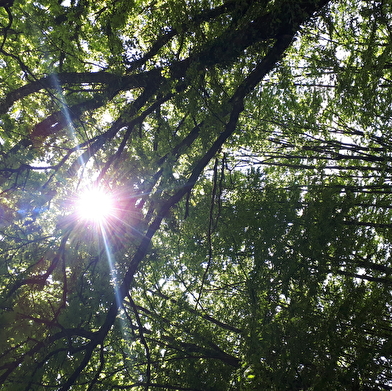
(95, 205)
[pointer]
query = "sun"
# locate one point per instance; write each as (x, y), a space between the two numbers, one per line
(94, 205)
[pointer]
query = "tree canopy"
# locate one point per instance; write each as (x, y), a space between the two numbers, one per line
(195, 195)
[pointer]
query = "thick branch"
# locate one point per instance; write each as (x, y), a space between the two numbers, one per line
(237, 106)
(58, 81)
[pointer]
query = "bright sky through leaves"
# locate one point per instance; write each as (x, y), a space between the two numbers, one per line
(94, 205)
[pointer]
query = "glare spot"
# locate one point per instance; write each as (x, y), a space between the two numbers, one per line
(95, 205)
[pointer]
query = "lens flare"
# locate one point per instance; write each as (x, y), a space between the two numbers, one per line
(94, 205)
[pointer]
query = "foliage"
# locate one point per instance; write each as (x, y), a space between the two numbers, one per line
(246, 146)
